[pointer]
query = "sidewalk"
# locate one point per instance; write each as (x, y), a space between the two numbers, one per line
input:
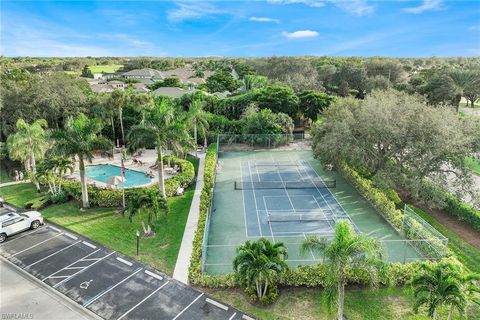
(183, 260)
(11, 183)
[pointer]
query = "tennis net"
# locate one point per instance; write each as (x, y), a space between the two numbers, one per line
(310, 184)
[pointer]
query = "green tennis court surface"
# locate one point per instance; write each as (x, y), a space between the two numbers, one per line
(285, 196)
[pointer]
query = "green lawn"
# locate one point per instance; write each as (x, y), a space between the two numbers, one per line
(302, 304)
(465, 252)
(19, 194)
(109, 68)
(473, 164)
(476, 104)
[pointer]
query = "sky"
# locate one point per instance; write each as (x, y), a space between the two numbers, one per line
(395, 28)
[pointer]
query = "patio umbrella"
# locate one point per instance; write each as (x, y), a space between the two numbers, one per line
(115, 180)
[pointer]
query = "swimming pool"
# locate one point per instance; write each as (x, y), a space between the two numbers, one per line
(103, 172)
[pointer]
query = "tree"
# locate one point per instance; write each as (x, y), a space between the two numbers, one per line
(259, 263)
(391, 70)
(345, 251)
(163, 127)
(442, 285)
(200, 123)
(167, 82)
(117, 101)
(464, 80)
(472, 91)
(147, 204)
(350, 76)
(80, 138)
(251, 82)
(440, 89)
(312, 103)
(222, 81)
(277, 99)
(395, 137)
(53, 167)
(266, 122)
(28, 144)
(86, 72)
(376, 83)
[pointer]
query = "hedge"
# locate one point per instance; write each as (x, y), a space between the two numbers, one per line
(113, 198)
(462, 210)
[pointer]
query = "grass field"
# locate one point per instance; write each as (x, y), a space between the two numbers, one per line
(18, 194)
(303, 304)
(465, 252)
(109, 68)
(473, 164)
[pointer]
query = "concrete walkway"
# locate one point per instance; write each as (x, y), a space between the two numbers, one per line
(11, 183)
(183, 260)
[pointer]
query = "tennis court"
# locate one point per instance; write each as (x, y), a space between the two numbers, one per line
(286, 196)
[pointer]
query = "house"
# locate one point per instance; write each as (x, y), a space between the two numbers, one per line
(172, 92)
(104, 86)
(140, 87)
(118, 85)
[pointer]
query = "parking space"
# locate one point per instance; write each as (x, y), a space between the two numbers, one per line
(107, 283)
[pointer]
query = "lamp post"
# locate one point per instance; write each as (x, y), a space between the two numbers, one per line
(138, 239)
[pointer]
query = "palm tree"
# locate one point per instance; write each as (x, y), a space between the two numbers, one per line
(463, 80)
(200, 123)
(259, 263)
(346, 250)
(80, 138)
(53, 167)
(29, 144)
(146, 203)
(163, 128)
(116, 102)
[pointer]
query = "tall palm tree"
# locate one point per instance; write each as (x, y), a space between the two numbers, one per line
(346, 250)
(439, 285)
(199, 119)
(163, 128)
(29, 144)
(259, 263)
(116, 102)
(146, 204)
(463, 80)
(80, 138)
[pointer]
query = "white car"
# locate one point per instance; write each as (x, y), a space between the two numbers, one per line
(14, 222)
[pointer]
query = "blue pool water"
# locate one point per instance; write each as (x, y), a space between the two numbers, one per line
(103, 172)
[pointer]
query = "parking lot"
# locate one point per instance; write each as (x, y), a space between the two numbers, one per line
(106, 282)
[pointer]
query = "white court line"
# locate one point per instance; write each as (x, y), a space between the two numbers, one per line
(243, 199)
(35, 245)
(73, 275)
(58, 277)
(233, 316)
(52, 254)
(178, 315)
(268, 221)
(143, 300)
(89, 244)
(154, 275)
(71, 264)
(255, 199)
(124, 261)
(98, 296)
(284, 186)
(217, 304)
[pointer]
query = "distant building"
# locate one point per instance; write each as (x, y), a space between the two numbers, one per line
(172, 92)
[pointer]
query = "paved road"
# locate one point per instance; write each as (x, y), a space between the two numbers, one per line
(22, 295)
(106, 282)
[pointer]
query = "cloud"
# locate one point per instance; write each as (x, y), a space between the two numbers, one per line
(427, 5)
(300, 34)
(474, 28)
(356, 7)
(310, 3)
(188, 11)
(264, 19)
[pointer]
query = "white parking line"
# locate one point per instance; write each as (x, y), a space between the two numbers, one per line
(36, 245)
(55, 229)
(98, 296)
(178, 315)
(124, 261)
(151, 274)
(71, 236)
(89, 244)
(73, 275)
(143, 300)
(233, 316)
(52, 254)
(217, 304)
(71, 264)
(247, 317)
